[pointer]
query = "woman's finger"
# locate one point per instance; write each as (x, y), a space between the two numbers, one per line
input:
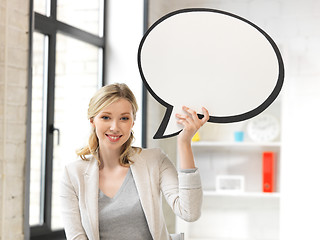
(195, 117)
(191, 112)
(206, 116)
(191, 119)
(185, 120)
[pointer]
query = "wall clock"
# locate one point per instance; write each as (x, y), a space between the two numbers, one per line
(263, 128)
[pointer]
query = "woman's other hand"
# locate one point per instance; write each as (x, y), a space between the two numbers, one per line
(191, 123)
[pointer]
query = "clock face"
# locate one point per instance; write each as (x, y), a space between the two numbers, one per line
(263, 128)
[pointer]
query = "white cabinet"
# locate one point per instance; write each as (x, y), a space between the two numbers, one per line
(247, 214)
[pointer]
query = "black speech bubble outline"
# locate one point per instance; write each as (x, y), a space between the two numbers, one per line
(229, 119)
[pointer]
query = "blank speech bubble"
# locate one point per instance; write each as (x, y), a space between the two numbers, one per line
(211, 58)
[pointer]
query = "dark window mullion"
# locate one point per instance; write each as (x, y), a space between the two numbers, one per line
(44, 24)
(48, 25)
(104, 48)
(144, 89)
(49, 127)
(53, 9)
(80, 34)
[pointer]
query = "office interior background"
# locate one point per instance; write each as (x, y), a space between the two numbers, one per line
(74, 47)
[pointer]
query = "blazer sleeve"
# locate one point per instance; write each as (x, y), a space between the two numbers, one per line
(182, 191)
(70, 209)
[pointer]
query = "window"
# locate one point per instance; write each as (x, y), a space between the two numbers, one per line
(68, 58)
(68, 52)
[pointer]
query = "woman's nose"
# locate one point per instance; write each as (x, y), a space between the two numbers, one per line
(114, 125)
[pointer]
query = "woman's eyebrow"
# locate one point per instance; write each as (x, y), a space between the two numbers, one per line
(125, 113)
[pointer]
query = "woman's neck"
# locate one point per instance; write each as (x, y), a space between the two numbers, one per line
(109, 159)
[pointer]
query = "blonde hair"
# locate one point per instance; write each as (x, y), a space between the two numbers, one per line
(103, 98)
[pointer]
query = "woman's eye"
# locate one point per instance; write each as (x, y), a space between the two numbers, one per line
(105, 118)
(125, 118)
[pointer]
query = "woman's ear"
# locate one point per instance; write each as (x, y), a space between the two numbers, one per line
(92, 123)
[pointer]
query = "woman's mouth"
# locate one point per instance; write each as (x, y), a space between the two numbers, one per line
(114, 138)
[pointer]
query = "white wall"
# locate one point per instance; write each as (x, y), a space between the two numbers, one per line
(124, 32)
(300, 178)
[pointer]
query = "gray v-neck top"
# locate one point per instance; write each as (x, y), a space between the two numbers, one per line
(122, 217)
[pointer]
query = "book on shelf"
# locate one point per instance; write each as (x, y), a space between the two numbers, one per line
(268, 171)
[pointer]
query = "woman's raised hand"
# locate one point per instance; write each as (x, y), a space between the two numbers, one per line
(191, 123)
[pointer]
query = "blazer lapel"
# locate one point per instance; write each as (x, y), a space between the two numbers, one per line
(91, 180)
(141, 177)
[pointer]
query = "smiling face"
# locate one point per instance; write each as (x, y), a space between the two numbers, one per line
(113, 124)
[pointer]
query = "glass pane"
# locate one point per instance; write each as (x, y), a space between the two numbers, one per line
(83, 14)
(42, 6)
(77, 79)
(37, 127)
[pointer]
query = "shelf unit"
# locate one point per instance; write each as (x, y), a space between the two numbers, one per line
(248, 215)
(241, 195)
(206, 144)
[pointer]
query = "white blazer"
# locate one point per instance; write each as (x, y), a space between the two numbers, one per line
(153, 173)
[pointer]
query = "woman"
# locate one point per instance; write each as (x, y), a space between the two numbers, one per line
(114, 191)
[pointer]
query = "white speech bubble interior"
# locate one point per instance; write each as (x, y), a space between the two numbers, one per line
(211, 59)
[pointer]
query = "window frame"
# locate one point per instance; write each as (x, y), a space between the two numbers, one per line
(144, 106)
(50, 26)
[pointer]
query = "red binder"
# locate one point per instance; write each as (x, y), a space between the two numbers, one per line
(268, 176)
